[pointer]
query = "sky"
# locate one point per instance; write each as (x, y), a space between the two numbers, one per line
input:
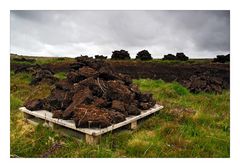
(199, 34)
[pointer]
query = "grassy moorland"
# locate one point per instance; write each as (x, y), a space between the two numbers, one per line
(190, 125)
(49, 60)
(40, 60)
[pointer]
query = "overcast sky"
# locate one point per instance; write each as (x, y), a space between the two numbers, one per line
(72, 33)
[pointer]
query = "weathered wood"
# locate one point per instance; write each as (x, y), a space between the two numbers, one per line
(58, 128)
(92, 134)
(134, 125)
(90, 139)
(68, 132)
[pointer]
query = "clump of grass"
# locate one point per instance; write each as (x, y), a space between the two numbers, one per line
(21, 89)
(50, 60)
(161, 89)
(179, 89)
(22, 63)
(15, 102)
(60, 75)
(24, 78)
(137, 147)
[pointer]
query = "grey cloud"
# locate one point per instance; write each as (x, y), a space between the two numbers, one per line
(71, 33)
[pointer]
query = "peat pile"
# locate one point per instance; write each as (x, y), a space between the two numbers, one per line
(204, 83)
(39, 74)
(93, 95)
(19, 68)
(204, 77)
(43, 75)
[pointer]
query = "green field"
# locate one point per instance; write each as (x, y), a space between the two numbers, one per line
(190, 125)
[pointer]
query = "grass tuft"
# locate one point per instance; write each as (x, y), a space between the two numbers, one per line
(60, 75)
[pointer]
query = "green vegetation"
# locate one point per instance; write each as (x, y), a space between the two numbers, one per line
(41, 60)
(60, 75)
(190, 125)
(47, 60)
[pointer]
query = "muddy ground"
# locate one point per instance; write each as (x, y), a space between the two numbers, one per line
(167, 72)
(184, 73)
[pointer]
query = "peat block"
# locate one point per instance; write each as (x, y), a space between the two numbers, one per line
(94, 95)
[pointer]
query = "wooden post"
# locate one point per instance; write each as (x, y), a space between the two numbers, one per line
(134, 125)
(92, 140)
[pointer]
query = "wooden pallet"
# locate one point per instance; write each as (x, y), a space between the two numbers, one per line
(92, 135)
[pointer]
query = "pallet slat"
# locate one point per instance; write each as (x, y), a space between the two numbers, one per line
(90, 132)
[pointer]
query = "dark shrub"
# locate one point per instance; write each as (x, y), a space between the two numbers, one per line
(144, 55)
(100, 57)
(222, 58)
(120, 55)
(169, 57)
(82, 57)
(181, 57)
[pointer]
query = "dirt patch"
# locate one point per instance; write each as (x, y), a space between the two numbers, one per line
(209, 77)
(94, 95)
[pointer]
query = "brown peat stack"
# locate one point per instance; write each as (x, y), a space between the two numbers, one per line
(93, 95)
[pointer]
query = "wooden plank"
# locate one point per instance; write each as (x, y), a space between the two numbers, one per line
(58, 128)
(90, 139)
(134, 125)
(46, 115)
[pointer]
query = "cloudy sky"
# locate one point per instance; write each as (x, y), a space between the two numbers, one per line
(198, 34)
